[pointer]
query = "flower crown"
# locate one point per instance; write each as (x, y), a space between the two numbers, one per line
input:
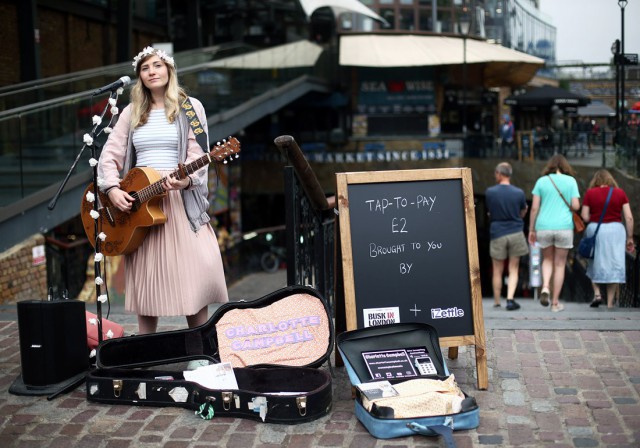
(147, 51)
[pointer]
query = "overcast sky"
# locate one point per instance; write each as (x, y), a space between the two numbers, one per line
(586, 29)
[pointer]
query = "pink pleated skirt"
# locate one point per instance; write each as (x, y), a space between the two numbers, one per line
(175, 271)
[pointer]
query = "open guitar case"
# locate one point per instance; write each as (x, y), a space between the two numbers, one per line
(275, 345)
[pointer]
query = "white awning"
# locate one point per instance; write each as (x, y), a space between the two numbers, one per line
(501, 63)
(296, 54)
(338, 7)
(596, 110)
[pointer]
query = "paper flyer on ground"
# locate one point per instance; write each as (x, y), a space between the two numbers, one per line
(213, 376)
(377, 389)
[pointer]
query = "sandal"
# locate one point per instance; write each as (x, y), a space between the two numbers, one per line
(557, 308)
(595, 303)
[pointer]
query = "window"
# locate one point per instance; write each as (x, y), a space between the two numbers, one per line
(389, 15)
(424, 23)
(444, 17)
(406, 19)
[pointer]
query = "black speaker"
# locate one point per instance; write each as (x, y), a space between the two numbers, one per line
(53, 340)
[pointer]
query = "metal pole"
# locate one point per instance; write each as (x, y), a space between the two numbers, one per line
(434, 16)
(604, 147)
(291, 223)
(464, 29)
(622, 76)
(617, 64)
(464, 87)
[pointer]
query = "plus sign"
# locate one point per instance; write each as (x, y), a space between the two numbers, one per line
(415, 309)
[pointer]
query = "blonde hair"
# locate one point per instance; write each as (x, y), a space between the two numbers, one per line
(602, 177)
(141, 100)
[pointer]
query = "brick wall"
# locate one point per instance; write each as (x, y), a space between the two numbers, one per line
(68, 43)
(19, 278)
(10, 54)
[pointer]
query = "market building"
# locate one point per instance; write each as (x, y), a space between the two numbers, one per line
(391, 82)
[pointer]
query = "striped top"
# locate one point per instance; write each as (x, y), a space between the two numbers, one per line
(156, 142)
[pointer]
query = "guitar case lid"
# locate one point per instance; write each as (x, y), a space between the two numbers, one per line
(288, 327)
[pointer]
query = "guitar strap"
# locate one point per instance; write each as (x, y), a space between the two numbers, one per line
(196, 126)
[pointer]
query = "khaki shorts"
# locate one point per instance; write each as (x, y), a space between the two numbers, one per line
(512, 245)
(562, 239)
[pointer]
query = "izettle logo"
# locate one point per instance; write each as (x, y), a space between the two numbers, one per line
(447, 313)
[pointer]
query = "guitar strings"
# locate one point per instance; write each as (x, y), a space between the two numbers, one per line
(156, 188)
(221, 152)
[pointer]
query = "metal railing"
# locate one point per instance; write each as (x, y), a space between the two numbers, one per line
(41, 140)
(577, 286)
(629, 293)
(613, 150)
(310, 224)
(51, 88)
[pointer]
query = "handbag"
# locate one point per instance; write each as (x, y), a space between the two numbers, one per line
(578, 223)
(110, 330)
(587, 246)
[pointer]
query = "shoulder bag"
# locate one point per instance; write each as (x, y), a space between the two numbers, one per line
(587, 246)
(578, 223)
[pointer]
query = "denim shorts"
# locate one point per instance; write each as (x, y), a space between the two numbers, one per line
(562, 239)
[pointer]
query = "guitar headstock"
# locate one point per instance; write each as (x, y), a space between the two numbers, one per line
(225, 150)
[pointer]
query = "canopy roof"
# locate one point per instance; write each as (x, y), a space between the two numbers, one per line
(296, 54)
(547, 96)
(338, 7)
(596, 110)
(501, 66)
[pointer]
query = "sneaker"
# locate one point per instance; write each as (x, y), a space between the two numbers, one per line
(512, 305)
(196, 363)
(557, 308)
(544, 297)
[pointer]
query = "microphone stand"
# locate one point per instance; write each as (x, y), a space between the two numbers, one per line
(90, 142)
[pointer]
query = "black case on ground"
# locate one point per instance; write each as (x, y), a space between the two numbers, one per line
(289, 331)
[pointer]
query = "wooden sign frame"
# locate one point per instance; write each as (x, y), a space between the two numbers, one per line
(477, 339)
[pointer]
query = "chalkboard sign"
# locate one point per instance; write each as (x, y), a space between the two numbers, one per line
(409, 253)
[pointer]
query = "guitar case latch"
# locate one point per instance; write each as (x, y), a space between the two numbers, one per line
(226, 400)
(117, 388)
(301, 402)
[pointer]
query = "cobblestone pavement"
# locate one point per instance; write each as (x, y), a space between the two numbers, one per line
(569, 379)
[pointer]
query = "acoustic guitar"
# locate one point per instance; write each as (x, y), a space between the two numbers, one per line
(126, 231)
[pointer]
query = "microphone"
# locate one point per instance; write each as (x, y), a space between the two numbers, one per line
(125, 80)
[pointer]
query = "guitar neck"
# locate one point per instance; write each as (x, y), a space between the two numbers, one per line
(156, 188)
(218, 153)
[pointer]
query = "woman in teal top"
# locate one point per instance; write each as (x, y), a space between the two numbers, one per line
(551, 224)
